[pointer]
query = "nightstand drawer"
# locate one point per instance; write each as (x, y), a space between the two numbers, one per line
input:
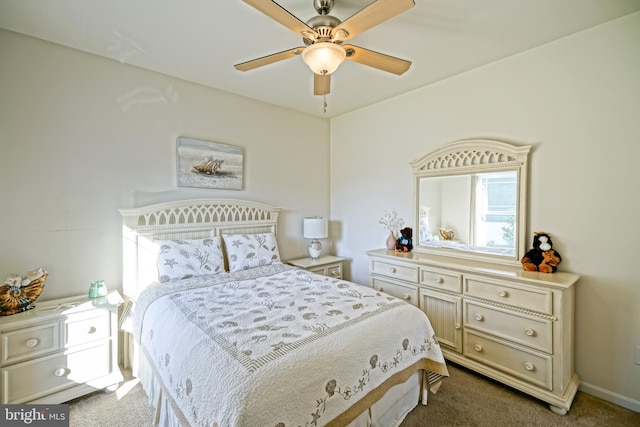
(334, 271)
(441, 279)
(528, 298)
(30, 380)
(84, 328)
(395, 270)
(533, 332)
(402, 291)
(30, 342)
(517, 361)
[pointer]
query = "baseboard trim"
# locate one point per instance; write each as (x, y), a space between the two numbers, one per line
(610, 396)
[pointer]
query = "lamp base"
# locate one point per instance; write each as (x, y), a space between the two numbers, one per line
(315, 249)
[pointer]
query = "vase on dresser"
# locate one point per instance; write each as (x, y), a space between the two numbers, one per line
(391, 241)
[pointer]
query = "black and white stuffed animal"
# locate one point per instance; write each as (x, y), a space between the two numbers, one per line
(542, 257)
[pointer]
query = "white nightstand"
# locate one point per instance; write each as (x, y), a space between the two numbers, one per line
(327, 265)
(60, 350)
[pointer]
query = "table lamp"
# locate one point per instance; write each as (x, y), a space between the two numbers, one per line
(315, 228)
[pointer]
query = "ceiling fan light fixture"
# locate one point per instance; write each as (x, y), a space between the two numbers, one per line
(323, 58)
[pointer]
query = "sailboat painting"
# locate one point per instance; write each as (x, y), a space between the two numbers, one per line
(208, 164)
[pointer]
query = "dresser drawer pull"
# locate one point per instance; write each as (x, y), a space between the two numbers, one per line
(379, 289)
(438, 280)
(529, 367)
(334, 272)
(503, 294)
(90, 330)
(392, 270)
(529, 332)
(479, 317)
(60, 372)
(478, 347)
(407, 297)
(457, 326)
(32, 342)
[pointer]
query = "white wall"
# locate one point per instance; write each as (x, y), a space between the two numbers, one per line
(577, 101)
(81, 136)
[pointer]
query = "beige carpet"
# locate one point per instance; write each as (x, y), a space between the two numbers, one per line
(465, 399)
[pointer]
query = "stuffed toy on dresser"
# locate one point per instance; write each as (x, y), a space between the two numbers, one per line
(542, 257)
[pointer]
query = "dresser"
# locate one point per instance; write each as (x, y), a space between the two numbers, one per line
(60, 350)
(511, 325)
(327, 265)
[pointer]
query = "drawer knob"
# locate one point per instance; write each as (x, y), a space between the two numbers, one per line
(60, 372)
(90, 330)
(529, 332)
(438, 280)
(478, 347)
(407, 297)
(529, 367)
(335, 273)
(457, 326)
(392, 270)
(503, 294)
(32, 342)
(379, 288)
(479, 317)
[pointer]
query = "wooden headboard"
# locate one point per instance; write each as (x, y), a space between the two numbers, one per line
(185, 219)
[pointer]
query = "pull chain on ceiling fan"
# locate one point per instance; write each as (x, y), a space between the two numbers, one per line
(324, 35)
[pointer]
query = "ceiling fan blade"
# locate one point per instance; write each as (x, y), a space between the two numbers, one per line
(321, 84)
(269, 59)
(377, 60)
(372, 15)
(276, 12)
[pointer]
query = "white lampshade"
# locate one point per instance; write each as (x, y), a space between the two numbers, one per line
(315, 228)
(324, 57)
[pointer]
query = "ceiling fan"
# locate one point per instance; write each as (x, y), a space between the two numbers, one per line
(324, 35)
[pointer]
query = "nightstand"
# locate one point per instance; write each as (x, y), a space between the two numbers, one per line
(60, 350)
(327, 265)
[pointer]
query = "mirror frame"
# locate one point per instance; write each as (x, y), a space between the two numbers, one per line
(476, 156)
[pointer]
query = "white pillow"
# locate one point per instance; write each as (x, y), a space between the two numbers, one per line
(181, 259)
(245, 251)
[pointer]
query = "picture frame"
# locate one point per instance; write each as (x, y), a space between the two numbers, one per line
(207, 164)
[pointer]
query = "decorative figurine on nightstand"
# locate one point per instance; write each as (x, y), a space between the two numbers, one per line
(97, 289)
(20, 293)
(542, 257)
(405, 241)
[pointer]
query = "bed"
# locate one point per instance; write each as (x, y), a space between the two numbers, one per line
(223, 333)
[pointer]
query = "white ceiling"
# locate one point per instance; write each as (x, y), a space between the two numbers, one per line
(201, 40)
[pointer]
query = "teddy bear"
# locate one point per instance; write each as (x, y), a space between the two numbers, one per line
(542, 257)
(405, 241)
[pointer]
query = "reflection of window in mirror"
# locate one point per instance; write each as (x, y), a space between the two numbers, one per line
(495, 208)
(476, 210)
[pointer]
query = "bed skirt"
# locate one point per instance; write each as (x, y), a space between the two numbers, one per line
(389, 411)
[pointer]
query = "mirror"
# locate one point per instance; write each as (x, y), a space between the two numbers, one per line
(471, 201)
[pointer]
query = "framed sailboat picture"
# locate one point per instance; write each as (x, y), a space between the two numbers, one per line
(208, 164)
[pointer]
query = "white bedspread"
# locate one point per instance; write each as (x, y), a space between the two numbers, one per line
(279, 346)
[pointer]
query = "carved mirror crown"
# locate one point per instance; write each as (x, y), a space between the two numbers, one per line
(470, 199)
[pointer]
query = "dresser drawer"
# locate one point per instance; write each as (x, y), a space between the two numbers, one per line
(395, 271)
(30, 342)
(30, 380)
(402, 291)
(520, 362)
(441, 279)
(527, 330)
(87, 327)
(526, 297)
